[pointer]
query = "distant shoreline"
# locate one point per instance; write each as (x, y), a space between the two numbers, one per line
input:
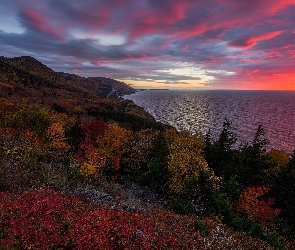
(149, 89)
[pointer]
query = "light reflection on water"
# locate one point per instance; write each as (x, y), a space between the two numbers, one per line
(199, 111)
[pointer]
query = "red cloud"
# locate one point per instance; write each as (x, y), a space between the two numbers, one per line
(278, 5)
(198, 30)
(177, 12)
(246, 43)
(35, 21)
(158, 18)
(269, 7)
(143, 26)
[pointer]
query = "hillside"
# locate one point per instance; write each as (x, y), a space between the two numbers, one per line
(29, 78)
(102, 86)
(120, 87)
(97, 85)
(25, 77)
(82, 171)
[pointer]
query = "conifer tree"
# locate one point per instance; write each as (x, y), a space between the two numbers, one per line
(219, 154)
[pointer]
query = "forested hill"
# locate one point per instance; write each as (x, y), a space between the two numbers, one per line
(101, 86)
(26, 78)
(30, 66)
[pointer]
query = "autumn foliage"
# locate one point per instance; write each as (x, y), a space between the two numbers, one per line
(102, 147)
(42, 150)
(46, 219)
(111, 144)
(56, 135)
(185, 160)
(252, 204)
(89, 158)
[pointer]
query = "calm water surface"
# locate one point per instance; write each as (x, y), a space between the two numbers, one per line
(199, 111)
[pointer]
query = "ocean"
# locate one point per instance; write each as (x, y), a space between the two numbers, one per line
(202, 110)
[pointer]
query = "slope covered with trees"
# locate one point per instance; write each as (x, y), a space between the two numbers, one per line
(69, 158)
(25, 77)
(97, 85)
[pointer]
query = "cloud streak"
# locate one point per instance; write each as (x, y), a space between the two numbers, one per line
(252, 41)
(223, 43)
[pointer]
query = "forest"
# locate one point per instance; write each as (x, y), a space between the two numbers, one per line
(67, 153)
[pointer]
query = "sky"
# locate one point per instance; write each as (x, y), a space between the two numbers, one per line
(191, 44)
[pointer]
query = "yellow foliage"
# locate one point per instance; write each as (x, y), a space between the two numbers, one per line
(78, 110)
(137, 149)
(93, 163)
(91, 167)
(111, 143)
(88, 169)
(56, 135)
(107, 149)
(186, 159)
(279, 157)
(170, 135)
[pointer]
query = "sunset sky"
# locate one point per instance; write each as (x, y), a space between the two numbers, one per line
(213, 44)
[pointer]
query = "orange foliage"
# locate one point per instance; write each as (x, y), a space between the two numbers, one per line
(111, 143)
(91, 161)
(56, 135)
(279, 157)
(63, 118)
(260, 210)
(107, 149)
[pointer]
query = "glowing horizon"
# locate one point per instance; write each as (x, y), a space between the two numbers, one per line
(212, 44)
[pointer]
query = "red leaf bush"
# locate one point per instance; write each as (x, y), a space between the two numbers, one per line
(37, 219)
(260, 210)
(45, 219)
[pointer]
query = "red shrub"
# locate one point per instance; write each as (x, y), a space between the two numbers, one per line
(44, 219)
(251, 203)
(37, 219)
(93, 129)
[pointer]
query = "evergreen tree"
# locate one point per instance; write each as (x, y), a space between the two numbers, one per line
(252, 163)
(219, 154)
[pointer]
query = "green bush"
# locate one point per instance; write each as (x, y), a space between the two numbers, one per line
(177, 206)
(231, 188)
(71, 173)
(202, 228)
(155, 176)
(74, 135)
(35, 117)
(255, 230)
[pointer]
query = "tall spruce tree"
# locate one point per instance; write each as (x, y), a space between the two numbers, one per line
(252, 162)
(219, 154)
